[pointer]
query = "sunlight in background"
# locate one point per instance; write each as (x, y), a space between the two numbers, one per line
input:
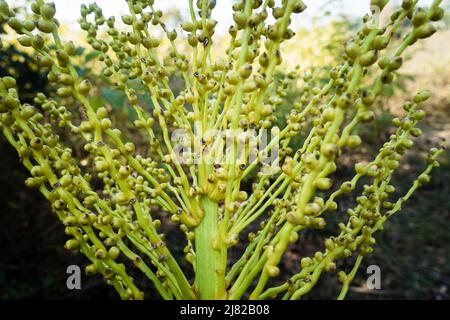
(68, 11)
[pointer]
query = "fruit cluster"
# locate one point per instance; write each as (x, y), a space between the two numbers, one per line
(114, 223)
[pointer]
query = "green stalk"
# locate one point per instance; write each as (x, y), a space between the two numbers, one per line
(350, 278)
(209, 281)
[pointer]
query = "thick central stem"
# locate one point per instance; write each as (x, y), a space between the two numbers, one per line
(209, 273)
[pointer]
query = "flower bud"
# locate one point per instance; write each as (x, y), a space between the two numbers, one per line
(192, 40)
(273, 271)
(310, 161)
(45, 26)
(419, 114)
(353, 141)
(240, 18)
(384, 62)
(245, 71)
(37, 42)
(71, 244)
(330, 150)
(312, 209)
(9, 82)
(422, 96)
(64, 92)
(105, 124)
(324, 183)
(328, 114)
(344, 101)
(264, 60)
(117, 222)
(24, 152)
(187, 26)
(342, 277)
(4, 8)
(423, 178)
(406, 143)
(299, 7)
(293, 218)
(368, 58)
(24, 40)
(85, 87)
(27, 112)
(360, 168)
(62, 57)
(33, 182)
(127, 19)
(48, 10)
(436, 13)
(90, 270)
(380, 42)
(346, 187)
(272, 33)
(172, 35)
(293, 237)
(232, 77)
(367, 98)
(366, 116)
(379, 3)
(288, 34)
(424, 31)
(330, 267)
(306, 262)
(89, 201)
(419, 17)
(352, 50)
(396, 63)
(416, 132)
(318, 256)
(102, 112)
(70, 221)
(36, 143)
(407, 4)
(83, 219)
(129, 148)
(15, 24)
(113, 252)
(329, 244)
(101, 254)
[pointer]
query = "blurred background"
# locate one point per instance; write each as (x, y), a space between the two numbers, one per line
(413, 251)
